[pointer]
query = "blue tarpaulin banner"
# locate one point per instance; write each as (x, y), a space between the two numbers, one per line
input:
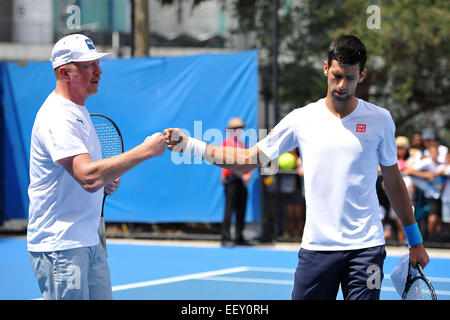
(197, 93)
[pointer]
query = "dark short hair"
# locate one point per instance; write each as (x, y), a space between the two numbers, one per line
(348, 49)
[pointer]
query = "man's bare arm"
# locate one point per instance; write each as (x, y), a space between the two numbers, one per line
(235, 159)
(232, 158)
(397, 193)
(93, 175)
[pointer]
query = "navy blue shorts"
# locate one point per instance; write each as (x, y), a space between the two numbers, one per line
(358, 272)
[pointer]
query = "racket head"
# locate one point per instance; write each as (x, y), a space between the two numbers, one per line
(108, 134)
(418, 287)
(110, 138)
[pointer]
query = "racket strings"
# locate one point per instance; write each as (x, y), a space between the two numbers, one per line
(419, 290)
(109, 137)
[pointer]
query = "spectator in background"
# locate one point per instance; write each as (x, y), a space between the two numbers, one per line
(426, 169)
(429, 137)
(403, 157)
(293, 198)
(444, 171)
(383, 207)
(390, 220)
(416, 145)
(402, 151)
(235, 184)
(415, 149)
(404, 162)
(302, 206)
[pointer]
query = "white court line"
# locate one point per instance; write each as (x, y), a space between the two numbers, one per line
(439, 292)
(442, 292)
(436, 279)
(215, 275)
(392, 251)
(265, 269)
(290, 283)
(179, 278)
(432, 279)
(287, 270)
(250, 280)
(211, 274)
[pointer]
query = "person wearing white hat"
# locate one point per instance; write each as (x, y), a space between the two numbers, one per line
(342, 141)
(68, 178)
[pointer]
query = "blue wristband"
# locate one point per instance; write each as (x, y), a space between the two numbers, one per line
(413, 234)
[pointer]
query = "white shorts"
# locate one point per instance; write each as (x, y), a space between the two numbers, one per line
(74, 274)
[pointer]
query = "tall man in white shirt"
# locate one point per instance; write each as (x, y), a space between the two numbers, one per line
(68, 178)
(342, 140)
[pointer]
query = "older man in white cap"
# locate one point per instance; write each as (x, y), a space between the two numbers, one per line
(68, 178)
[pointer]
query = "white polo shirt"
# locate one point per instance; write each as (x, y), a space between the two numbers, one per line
(340, 159)
(62, 215)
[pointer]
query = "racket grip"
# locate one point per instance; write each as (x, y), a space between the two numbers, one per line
(102, 234)
(413, 234)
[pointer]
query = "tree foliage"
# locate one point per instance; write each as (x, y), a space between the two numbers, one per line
(408, 65)
(412, 49)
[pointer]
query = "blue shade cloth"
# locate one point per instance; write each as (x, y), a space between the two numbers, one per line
(144, 96)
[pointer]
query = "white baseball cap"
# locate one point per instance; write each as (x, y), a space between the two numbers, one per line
(75, 48)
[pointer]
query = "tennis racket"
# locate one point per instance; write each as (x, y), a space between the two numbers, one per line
(418, 287)
(111, 143)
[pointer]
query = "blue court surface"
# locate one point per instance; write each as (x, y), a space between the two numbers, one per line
(146, 270)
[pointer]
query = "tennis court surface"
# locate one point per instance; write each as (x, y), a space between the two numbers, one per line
(166, 270)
